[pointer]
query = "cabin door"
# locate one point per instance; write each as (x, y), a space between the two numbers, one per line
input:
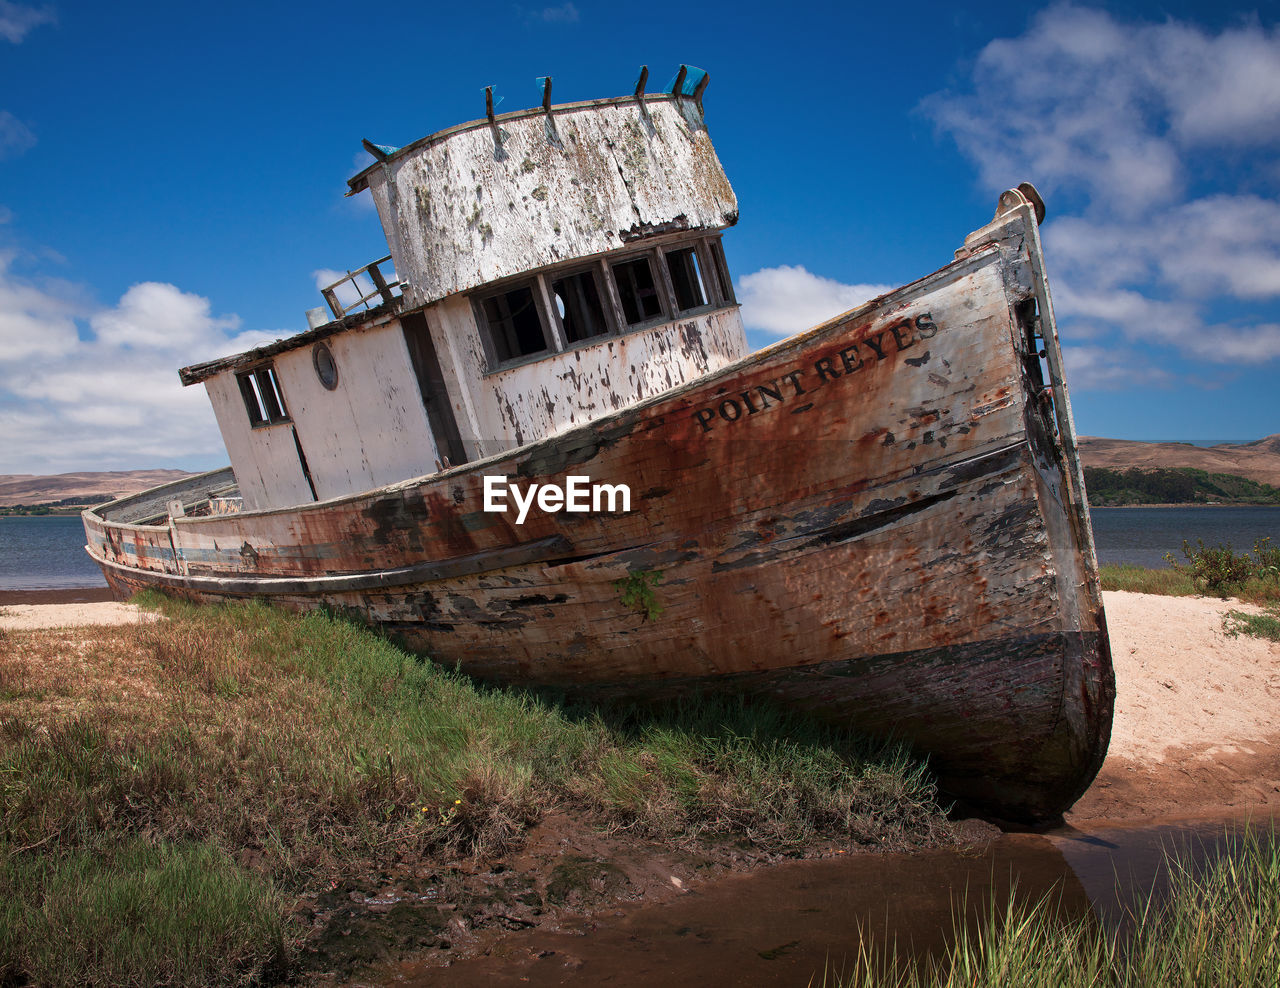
(435, 399)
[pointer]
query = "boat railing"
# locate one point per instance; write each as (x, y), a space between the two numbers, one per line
(368, 283)
(153, 506)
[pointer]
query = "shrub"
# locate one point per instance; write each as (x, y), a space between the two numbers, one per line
(1215, 570)
(1268, 560)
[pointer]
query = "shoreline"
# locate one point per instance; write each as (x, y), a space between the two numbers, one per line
(74, 512)
(56, 595)
(1186, 504)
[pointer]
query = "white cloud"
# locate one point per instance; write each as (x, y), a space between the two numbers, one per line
(789, 299)
(1082, 101)
(152, 315)
(1103, 368)
(1227, 89)
(1121, 120)
(1241, 345)
(17, 19)
(1221, 244)
(33, 323)
(86, 387)
(1155, 282)
(1135, 315)
(15, 136)
(1059, 106)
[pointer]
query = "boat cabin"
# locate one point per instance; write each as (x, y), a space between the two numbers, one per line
(546, 267)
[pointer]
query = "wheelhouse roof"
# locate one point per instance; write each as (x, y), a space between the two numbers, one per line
(360, 182)
(377, 316)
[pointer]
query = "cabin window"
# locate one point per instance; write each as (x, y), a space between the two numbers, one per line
(686, 278)
(722, 272)
(574, 304)
(515, 323)
(637, 291)
(263, 399)
(577, 300)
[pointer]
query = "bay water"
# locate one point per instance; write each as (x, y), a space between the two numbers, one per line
(1142, 536)
(45, 552)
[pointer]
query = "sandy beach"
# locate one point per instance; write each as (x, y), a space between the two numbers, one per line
(1197, 720)
(22, 610)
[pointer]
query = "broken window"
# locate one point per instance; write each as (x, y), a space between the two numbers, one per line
(686, 278)
(722, 272)
(638, 291)
(263, 399)
(576, 304)
(577, 299)
(515, 323)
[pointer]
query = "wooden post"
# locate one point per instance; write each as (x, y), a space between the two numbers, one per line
(677, 89)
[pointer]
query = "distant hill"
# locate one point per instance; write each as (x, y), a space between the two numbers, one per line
(84, 488)
(1258, 460)
(1175, 485)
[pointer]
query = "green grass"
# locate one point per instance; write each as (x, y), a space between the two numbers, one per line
(1217, 571)
(1143, 579)
(1258, 625)
(137, 914)
(1216, 926)
(311, 748)
(1175, 583)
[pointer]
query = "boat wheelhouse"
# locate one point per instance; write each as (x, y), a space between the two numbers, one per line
(551, 266)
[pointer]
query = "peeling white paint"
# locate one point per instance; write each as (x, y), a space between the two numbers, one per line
(462, 211)
(369, 431)
(522, 404)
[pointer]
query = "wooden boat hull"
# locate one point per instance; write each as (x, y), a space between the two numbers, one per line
(873, 522)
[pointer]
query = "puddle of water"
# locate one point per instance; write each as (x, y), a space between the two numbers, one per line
(786, 924)
(1119, 865)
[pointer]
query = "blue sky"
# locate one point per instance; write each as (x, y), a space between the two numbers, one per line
(174, 178)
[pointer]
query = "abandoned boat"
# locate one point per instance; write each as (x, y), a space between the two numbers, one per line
(881, 521)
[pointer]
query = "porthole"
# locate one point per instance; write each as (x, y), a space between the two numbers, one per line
(326, 369)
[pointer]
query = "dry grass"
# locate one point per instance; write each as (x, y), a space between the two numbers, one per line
(63, 674)
(356, 738)
(306, 748)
